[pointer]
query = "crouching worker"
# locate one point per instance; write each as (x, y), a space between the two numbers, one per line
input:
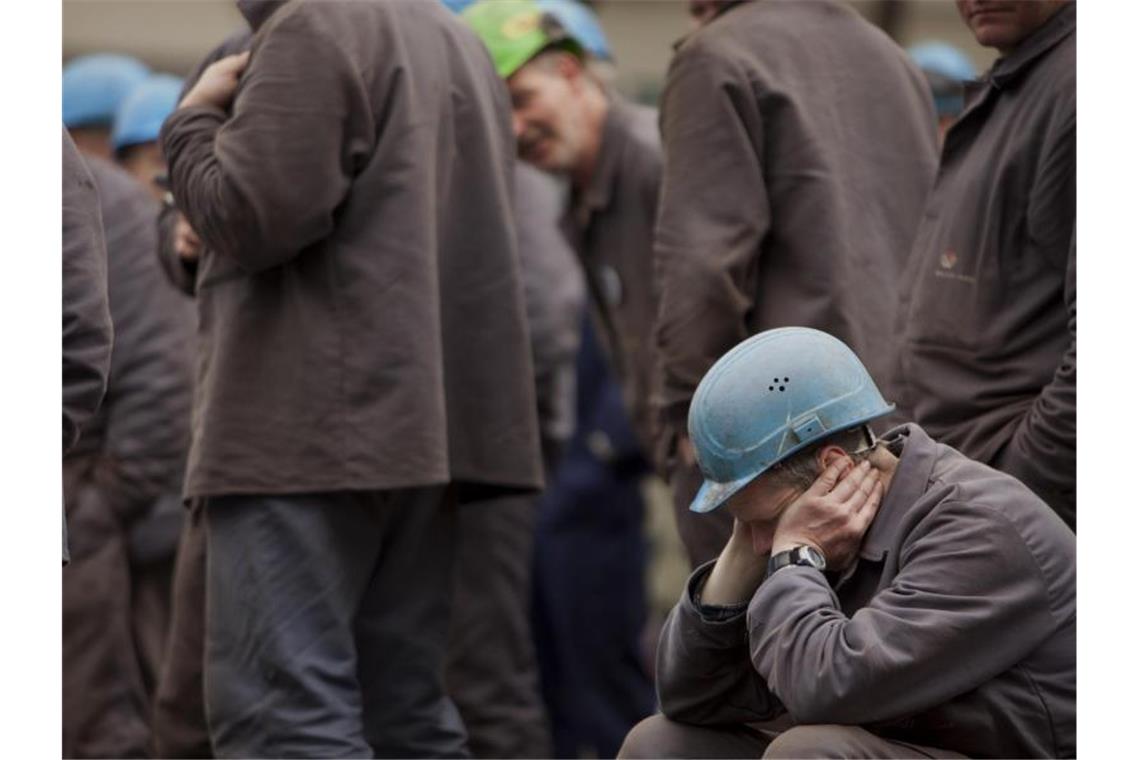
(877, 598)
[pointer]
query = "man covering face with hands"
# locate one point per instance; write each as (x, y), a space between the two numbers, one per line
(878, 597)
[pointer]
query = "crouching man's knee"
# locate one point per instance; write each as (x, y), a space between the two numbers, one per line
(831, 741)
(659, 737)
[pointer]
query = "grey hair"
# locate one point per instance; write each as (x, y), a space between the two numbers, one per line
(801, 469)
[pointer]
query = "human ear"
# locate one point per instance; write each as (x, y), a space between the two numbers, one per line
(829, 454)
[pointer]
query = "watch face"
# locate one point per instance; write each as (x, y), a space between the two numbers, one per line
(813, 557)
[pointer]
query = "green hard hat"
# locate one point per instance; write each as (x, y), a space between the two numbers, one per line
(516, 31)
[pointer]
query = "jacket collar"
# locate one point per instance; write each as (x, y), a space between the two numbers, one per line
(1059, 26)
(257, 12)
(597, 196)
(918, 455)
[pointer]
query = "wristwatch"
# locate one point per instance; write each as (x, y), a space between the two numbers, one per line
(800, 555)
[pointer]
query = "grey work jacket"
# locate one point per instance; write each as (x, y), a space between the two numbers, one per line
(800, 144)
(955, 629)
(610, 224)
(989, 315)
(131, 454)
(361, 315)
(87, 331)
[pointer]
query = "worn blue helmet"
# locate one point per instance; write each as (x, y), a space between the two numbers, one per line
(769, 397)
(945, 67)
(139, 119)
(94, 86)
(581, 23)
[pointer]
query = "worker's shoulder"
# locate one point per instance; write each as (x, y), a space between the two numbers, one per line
(776, 40)
(638, 126)
(1000, 504)
(120, 194)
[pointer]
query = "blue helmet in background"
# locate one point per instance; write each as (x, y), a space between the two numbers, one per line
(576, 19)
(769, 397)
(94, 86)
(946, 68)
(581, 23)
(139, 118)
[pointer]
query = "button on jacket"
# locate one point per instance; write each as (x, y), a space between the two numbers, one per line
(955, 629)
(610, 224)
(989, 316)
(361, 316)
(800, 144)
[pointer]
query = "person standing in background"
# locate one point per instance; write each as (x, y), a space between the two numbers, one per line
(800, 143)
(988, 317)
(336, 424)
(87, 330)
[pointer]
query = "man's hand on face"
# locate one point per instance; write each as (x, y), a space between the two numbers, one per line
(217, 84)
(833, 514)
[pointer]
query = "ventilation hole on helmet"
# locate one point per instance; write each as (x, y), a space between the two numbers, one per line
(785, 379)
(771, 388)
(781, 389)
(775, 379)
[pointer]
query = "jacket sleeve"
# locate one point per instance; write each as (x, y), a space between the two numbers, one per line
(712, 218)
(940, 629)
(86, 319)
(1043, 450)
(703, 672)
(262, 185)
(147, 419)
(183, 274)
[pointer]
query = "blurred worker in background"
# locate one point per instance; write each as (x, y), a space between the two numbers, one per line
(492, 668)
(363, 365)
(590, 596)
(122, 481)
(570, 124)
(878, 597)
(800, 144)
(87, 330)
(134, 134)
(94, 86)
(947, 69)
(988, 316)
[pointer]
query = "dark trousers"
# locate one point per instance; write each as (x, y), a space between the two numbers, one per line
(703, 535)
(179, 721)
(659, 737)
(326, 625)
(492, 674)
(104, 694)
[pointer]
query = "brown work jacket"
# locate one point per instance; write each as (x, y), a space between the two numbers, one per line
(988, 319)
(800, 144)
(610, 223)
(129, 460)
(955, 628)
(87, 330)
(360, 306)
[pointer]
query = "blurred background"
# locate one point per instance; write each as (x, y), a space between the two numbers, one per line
(172, 35)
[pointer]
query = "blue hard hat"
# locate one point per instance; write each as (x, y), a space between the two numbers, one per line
(457, 6)
(581, 23)
(943, 59)
(94, 86)
(769, 397)
(139, 119)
